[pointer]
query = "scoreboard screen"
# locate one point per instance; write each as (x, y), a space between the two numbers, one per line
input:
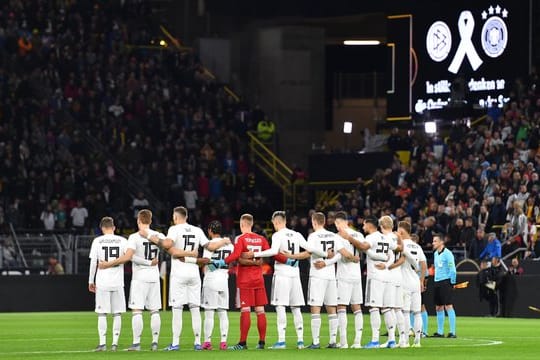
(464, 53)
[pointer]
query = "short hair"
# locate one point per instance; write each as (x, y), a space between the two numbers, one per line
(181, 211)
(145, 216)
(106, 222)
(319, 218)
(405, 225)
(341, 215)
(248, 218)
(371, 220)
(439, 235)
(215, 227)
(386, 222)
(279, 214)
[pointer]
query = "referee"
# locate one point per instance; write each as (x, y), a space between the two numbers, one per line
(445, 278)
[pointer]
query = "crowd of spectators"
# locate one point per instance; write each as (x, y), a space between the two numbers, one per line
(478, 185)
(72, 71)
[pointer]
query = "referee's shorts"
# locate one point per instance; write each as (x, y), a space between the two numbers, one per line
(443, 291)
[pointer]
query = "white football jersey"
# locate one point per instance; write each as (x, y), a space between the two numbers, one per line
(380, 244)
(144, 249)
(186, 237)
(323, 240)
(105, 248)
(413, 254)
(348, 270)
(290, 241)
(395, 273)
(217, 280)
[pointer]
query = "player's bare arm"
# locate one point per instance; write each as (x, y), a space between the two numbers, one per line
(214, 245)
(119, 261)
(250, 262)
(178, 253)
(300, 256)
(348, 255)
(362, 246)
(165, 244)
(397, 263)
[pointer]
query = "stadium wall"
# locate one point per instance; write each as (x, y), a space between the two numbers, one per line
(70, 293)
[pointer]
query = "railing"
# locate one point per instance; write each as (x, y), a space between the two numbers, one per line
(274, 168)
(16, 241)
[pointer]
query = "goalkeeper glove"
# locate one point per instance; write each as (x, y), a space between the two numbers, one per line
(216, 264)
(292, 262)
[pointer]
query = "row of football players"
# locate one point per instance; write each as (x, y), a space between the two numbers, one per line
(393, 286)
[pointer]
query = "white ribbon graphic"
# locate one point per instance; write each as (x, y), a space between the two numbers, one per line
(466, 47)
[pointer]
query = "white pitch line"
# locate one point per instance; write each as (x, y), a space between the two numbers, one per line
(486, 343)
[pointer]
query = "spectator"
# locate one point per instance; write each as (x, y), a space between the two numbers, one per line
(265, 130)
(492, 249)
(79, 214)
(515, 268)
(55, 268)
(477, 245)
(139, 203)
(8, 254)
(48, 218)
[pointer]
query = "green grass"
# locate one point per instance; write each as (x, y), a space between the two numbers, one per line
(72, 335)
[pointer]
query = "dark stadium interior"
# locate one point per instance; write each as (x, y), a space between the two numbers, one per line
(109, 107)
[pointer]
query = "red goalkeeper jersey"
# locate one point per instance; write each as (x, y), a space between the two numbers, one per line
(248, 277)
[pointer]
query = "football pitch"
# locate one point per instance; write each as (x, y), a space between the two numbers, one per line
(73, 335)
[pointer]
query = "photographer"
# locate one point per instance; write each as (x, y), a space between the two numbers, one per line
(490, 281)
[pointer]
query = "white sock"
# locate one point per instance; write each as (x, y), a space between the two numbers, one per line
(390, 321)
(176, 326)
(316, 328)
(298, 323)
(155, 325)
(223, 324)
(117, 326)
(417, 327)
(196, 323)
(137, 326)
(407, 326)
(208, 324)
(342, 320)
(358, 326)
(281, 322)
(400, 323)
(375, 320)
(102, 328)
(332, 327)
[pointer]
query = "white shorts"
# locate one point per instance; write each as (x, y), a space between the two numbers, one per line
(398, 302)
(412, 301)
(389, 296)
(185, 290)
(213, 299)
(287, 291)
(322, 291)
(144, 295)
(350, 292)
(375, 292)
(110, 301)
